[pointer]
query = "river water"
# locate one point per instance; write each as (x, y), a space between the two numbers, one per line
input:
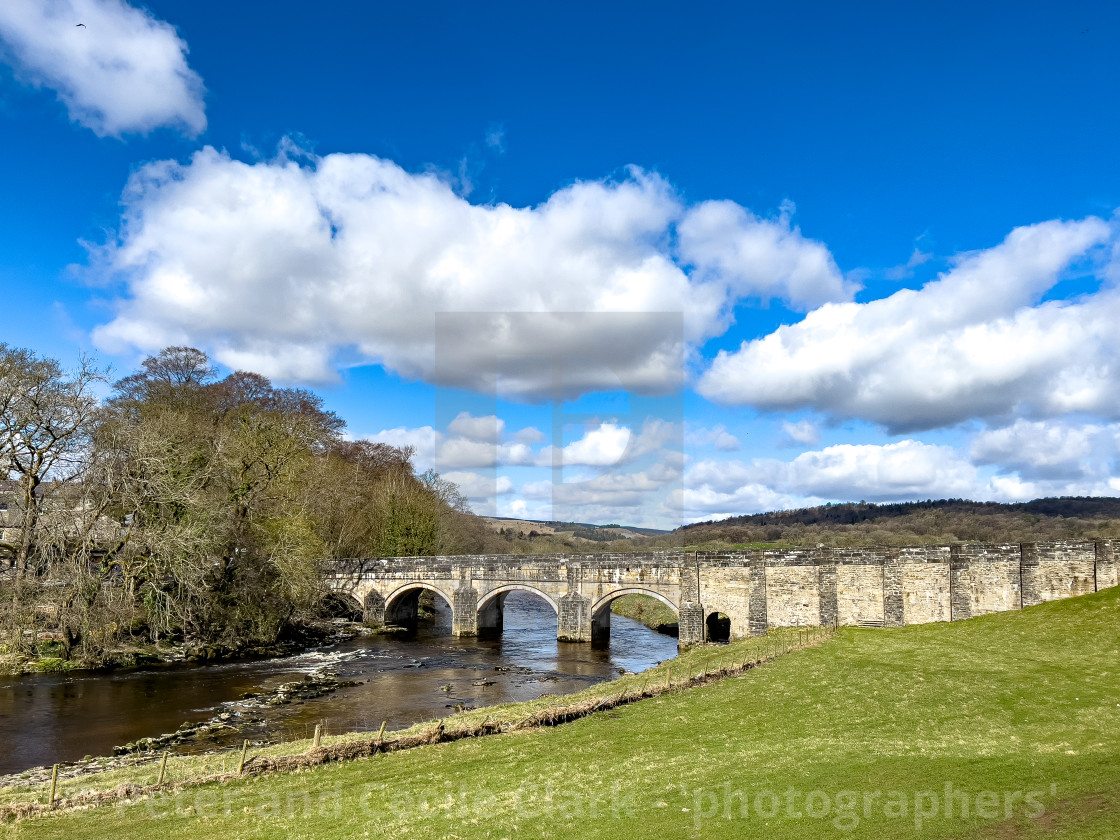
(52, 718)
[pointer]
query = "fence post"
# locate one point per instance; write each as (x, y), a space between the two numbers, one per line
(54, 786)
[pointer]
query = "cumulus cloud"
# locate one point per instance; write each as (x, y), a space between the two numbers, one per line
(976, 342)
(1023, 461)
(756, 257)
(462, 453)
(603, 446)
(125, 71)
(904, 470)
(489, 428)
(473, 442)
(614, 490)
(276, 266)
(529, 434)
(1051, 450)
(717, 437)
(801, 433)
(480, 488)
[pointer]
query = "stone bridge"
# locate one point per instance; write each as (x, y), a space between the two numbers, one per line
(579, 588)
(749, 590)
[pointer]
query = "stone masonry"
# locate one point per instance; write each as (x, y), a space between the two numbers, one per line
(755, 589)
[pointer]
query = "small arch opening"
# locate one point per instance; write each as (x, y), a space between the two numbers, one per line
(412, 606)
(718, 627)
(339, 605)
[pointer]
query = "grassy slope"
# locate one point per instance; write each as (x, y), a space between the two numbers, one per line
(1004, 703)
(651, 612)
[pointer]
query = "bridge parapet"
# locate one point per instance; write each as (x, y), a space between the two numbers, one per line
(755, 588)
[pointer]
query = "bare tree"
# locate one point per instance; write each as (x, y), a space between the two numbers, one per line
(45, 420)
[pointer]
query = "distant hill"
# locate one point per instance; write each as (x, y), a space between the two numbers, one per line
(945, 520)
(572, 530)
(940, 521)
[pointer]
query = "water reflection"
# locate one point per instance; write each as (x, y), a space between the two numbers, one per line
(48, 718)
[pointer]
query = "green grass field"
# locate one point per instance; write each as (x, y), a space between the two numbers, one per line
(1006, 726)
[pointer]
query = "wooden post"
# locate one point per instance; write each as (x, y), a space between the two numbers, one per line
(54, 786)
(381, 734)
(162, 769)
(244, 752)
(318, 735)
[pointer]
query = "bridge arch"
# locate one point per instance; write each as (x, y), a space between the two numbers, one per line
(342, 605)
(485, 600)
(604, 603)
(416, 586)
(601, 610)
(403, 603)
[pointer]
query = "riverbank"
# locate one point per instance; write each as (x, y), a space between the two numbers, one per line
(101, 779)
(1001, 726)
(651, 612)
(146, 655)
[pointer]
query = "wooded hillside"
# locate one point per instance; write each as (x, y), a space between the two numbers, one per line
(909, 523)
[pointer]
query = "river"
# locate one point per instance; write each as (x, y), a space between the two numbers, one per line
(48, 718)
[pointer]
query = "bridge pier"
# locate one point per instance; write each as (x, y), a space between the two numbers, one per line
(373, 609)
(574, 619)
(691, 627)
(464, 611)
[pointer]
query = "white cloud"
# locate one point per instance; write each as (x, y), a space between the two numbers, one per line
(615, 490)
(461, 453)
(612, 444)
(1051, 451)
(803, 432)
(908, 469)
(603, 446)
(488, 428)
(276, 266)
(974, 343)
(759, 257)
(717, 436)
(480, 487)
(528, 435)
(124, 71)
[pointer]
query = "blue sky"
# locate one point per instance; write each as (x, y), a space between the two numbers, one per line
(645, 263)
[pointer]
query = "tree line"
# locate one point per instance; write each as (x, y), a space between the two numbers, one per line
(174, 505)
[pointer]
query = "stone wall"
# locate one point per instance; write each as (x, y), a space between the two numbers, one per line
(891, 587)
(755, 589)
(1058, 570)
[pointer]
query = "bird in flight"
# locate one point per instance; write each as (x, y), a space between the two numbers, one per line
(82, 25)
